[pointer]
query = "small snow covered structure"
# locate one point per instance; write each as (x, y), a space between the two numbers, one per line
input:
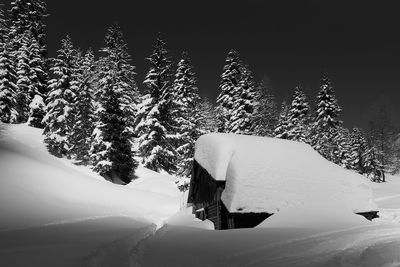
(238, 181)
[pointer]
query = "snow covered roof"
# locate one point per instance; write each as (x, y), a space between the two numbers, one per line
(268, 174)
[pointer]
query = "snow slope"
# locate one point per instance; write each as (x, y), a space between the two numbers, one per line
(293, 237)
(54, 213)
(269, 175)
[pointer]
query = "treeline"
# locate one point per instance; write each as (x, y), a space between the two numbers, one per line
(92, 111)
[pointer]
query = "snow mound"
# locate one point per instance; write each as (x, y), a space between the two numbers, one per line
(37, 188)
(268, 175)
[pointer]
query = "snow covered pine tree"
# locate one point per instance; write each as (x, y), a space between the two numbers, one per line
(326, 120)
(111, 149)
(8, 88)
(298, 117)
(153, 126)
(80, 137)
(27, 43)
(60, 99)
(186, 116)
(229, 86)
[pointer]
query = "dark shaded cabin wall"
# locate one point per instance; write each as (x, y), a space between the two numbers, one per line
(203, 187)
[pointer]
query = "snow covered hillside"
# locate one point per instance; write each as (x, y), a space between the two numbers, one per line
(294, 237)
(53, 213)
(50, 203)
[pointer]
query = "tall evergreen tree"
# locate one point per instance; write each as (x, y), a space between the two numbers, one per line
(358, 147)
(208, 118)
(27, 38)
(229, 87)
(8, 87)
(298, 117)
(60, 99)
(153, 118)
(266, 113)
(186, 114)
(111, 149)
(242, 119)
(281, 130)
(29, 15)
(80, 138)
(326, 120)
(328, 109)
(3, 28)
(24, 83)
(36, 94)
(372, 166)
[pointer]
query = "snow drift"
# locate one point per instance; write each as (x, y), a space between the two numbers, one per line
(269, 175)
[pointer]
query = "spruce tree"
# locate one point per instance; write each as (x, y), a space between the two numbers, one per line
(60, 99)
(208, 122)
(342, 147)
(298, 117)
(186, 115)
(358, 147)
(80, 138)
(281, 130)
(266, 113)
(242, 119)
(8, 87)
(372, 166)
(229, 87)
(3, 28)
(27, 38)
(153, 117)
(326, 120)
(29, 15)
(111, 148)
(36, 93)
(24, 82)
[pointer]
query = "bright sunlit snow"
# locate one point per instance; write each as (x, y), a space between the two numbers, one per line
(54, 213)
(270, 175)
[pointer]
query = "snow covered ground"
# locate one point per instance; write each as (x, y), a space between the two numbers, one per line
(53, 213)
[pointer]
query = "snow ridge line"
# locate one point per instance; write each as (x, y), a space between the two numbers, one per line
(138, 251)
(84, 219)
(119, 252)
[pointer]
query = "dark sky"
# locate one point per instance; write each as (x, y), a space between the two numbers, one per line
(356, 42)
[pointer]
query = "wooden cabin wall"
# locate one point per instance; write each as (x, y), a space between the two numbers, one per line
(203, 187)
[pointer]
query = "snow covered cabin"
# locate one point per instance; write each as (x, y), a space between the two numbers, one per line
(238, 181)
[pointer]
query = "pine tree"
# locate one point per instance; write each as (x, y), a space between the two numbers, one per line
(36, 93)
(29, 15)
(342, 147)
(372, 167)
(3, 28)
(111, 149)
(326, 120)
(62, 90)
(24, 82)
(80, 138)
(208, 122)
(153, 118)
(186, 115)
(281, 130)
(230, 85)
(27, 38)
(328, 108)
(298, 117)
(8, 88)
(358, 146)
(266, 113)
(37, 112)
(242, 119)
